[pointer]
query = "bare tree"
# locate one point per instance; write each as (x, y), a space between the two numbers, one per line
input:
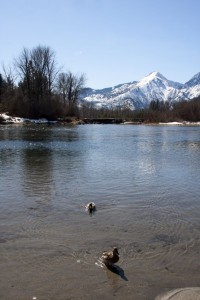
(69, 87)
(62, 87)
(37, 70)
(9, 77)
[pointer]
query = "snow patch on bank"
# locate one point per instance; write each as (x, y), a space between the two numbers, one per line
(6, 119)
(180, 123)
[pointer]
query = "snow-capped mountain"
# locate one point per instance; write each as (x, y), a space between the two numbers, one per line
(138, 94)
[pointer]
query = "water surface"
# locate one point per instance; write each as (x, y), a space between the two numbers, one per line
(145, 183)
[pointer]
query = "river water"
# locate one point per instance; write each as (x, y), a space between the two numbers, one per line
(145, 182)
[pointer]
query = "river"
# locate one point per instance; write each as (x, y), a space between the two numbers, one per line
(144, 181)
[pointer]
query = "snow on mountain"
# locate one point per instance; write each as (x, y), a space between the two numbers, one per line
(195, 80)
(138, 94)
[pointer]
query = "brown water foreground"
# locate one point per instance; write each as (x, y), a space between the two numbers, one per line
(59, 261)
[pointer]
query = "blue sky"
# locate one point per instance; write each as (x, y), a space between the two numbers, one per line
(111, 41)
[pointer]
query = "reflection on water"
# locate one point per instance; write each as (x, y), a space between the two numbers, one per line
(144, 182)
(38, 172)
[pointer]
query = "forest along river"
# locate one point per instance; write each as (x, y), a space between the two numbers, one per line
(145, 183)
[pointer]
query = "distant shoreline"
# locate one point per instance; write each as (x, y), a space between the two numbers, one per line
(5, 119)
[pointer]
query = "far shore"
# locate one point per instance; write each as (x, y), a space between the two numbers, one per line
(6, 119)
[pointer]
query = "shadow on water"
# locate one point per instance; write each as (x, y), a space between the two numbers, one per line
(117, 270)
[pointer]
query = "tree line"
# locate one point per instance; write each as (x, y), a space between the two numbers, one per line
(160, 111)
(42, 90)
(37, 88)
(157, 111)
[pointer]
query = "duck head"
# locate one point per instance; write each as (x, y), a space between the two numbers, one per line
(90, 207)
(115, 251)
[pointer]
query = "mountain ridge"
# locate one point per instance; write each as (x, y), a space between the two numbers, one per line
(138, 94)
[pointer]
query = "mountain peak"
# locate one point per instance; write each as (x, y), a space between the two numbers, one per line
(153, 76)
(156, 73)
(193, 81)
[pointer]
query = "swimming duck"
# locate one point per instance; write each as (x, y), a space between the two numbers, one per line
(91, 207)
(111, 257)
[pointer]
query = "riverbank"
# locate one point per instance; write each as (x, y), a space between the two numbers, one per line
(7, 119)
